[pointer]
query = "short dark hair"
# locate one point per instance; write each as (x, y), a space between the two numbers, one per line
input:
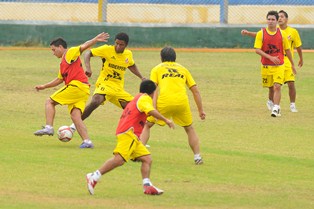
(275, 13)
(123, 37)
(147, 86)
(168, 54)
(283, 12)
(58, 42)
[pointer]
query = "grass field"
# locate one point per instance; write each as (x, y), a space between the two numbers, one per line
(251, 159)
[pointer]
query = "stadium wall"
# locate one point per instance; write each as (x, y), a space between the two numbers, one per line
(21, 34)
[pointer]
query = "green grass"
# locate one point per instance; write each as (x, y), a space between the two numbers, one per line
(251, 159)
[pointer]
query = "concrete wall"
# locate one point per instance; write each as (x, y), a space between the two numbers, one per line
(15, 34)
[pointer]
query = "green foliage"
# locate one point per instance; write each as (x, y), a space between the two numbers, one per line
(251, 159)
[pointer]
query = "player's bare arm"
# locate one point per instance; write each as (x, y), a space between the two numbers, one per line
(87, 56)
(289, 55)
(299, 50)
(198, 101)
(158, 116)
(248, 33)
(136, 72)
(275, 60)
(50, 84)
(102, 37)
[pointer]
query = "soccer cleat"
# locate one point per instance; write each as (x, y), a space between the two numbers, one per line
(269, 105)
(86, 145)
(44, 131)
(293, 108)
(152, 190)
(91, 183)
(198, 161)
(275, 113)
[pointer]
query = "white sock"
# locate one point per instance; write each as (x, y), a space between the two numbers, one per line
(48, 127)
(292, 104)
(146, 181)
(96, 175)
(270, 102)
(88, 141)
(197, 156)
(276, 107)
(72, 126)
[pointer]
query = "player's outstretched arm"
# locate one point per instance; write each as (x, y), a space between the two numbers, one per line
(102, 37)
(248, 33)
(50, 84)
(159, 116)
(198, 101)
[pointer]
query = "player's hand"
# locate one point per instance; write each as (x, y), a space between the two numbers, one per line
(102, 37)
(244, 32)
(300, 63)
(88, 73)
(202, 115)
(170, 124)
(294, 70)
(39, 87)
(275, 60)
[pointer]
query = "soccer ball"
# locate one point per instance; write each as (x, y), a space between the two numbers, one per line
(65, 134)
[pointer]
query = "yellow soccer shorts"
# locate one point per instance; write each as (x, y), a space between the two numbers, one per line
(73, 95)
(129, 146)
(271, 75)
(180, 114)
(289, 76)
(113, 95)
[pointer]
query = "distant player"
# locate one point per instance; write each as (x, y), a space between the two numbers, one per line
(76, 91)
(128, 144)
(272, 45)
(294, 42)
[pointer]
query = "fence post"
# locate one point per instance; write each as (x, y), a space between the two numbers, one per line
(224, 11)
(102, 10)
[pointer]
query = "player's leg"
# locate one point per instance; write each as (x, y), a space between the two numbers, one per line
(141, 153)
(277, 98)
(290, 80)
(50, 111)
(110, 164)
(119, 97)
(122, 152)
(270, 102)
(76, 115)
(267, 82)
(194, 143)
(182, 116)
(97, 100)
(292, 95)
(146, 132)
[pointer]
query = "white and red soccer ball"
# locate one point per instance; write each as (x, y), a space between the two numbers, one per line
(65, 133)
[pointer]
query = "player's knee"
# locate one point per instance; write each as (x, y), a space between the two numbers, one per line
(97, 100)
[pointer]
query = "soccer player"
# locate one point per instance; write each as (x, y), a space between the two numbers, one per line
(110, 83)
(172, 79)
(272, 45)
(294, 42)
(76, 90)
(128, 144)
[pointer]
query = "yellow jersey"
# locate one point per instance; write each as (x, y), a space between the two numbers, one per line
(172, 79)
(114, 65)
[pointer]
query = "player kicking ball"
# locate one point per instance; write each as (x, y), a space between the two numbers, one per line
(128, 145)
